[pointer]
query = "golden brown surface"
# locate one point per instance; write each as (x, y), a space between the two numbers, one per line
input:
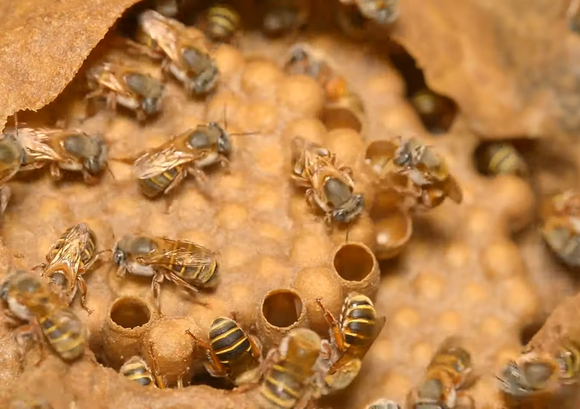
(462, 272)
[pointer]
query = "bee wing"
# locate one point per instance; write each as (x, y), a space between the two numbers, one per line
(453, 190)
(198, 256)
(110, 76)
(156, 162)
(36, 141)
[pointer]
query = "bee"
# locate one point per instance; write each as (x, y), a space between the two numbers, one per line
(351, 338)
(534, 373)
(231, 351)
(383, 404)
(63, 149)
(136, 369)
(561, 226)
(184, 263)
(222, 22)
(126, 86)
(168, 8)
(436, 111)
(31, 301)
(381, 11)
(329, 187)
(282, 17)
(305, 60)
(501, 158)
(428, 171)
(163, 168)
(288, 379)
(73, 254)
(12, 156)
(182, 49)
(448, 373)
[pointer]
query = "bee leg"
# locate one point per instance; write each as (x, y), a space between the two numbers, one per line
(214, 367)
(256, 347)
(82, 285)
(311, 198)
(5, 194)
(111, 104)
(141, 115)
(347, 171)
(245, 387)
(199, 176)
(334, 325)
(42, 266)
(22, 335)
(88, 178)
(224, 163)
(156, 289)
(55, 172)
(300, 181)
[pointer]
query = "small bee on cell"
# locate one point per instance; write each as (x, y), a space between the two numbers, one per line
(12, 156)
(221, 23)
(561, 226)
(186, 264)
(501, 158)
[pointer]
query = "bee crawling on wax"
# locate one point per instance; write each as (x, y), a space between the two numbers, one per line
(74, 253)
(183, 51)
(29, 300)
(231, 352)
(329, 187)
(447, 376)
(291, 371)
(534, 372)
(186, 264)
(12, 156)
(351, 338)
(62, 149)
(126, 86)
(221, 23)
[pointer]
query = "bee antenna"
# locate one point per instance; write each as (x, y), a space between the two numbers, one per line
(226, 116)
(16, 124)
(110, 171)
(245, 133)
(348, 230)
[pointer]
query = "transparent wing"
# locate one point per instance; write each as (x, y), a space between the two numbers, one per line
(156, 162)
(192, 257)
(37, 143)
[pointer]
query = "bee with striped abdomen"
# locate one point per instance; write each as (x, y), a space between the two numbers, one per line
(74, 253)
(221, 23)
(62, 149)
(12, 156)
(535, 372)
(30, 300)
(183, 51)
(501, 158)
(436, 111)
(446, 377)
(163, 168)
(184, 263)
(291, 369)
(136, 369)
(561, 226)
(329, 187)
(231, 351)
(351, 338)
(126, 86)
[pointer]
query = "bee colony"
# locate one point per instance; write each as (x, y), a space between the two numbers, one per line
(290, 204)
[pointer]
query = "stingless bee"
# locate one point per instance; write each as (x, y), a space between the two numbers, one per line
(351, 338)
(329, 187)
(436, 111)
(163, 168)
(561, 226)
(63, 149)
(383, 404)
(12, 156)
(283, 17)
(126, 86)
(231, 351)
(501, 158)
(31, 301)
(288, 380)
(381, 11)
(305, 60)
(69, 258)
(221, 22)
(534, 372)
(446, 377)
(184, 263)
(136, 369)
(182, 49)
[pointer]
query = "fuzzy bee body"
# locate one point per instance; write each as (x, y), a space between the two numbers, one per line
(64, 331)
(137, 370)
(223, 22)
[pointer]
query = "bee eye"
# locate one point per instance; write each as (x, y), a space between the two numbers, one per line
(118, 257)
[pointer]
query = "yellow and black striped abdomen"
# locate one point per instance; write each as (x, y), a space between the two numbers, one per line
(282, 386)
(63, 331)
(568, 358)
(156, 185)
(223, 21)
(358, 322)
(136, 370)
(90, 248)
(200, 275)
(228, 340)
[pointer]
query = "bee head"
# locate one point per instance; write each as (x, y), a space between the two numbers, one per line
(522, 380)
(119, 256)
(350, 209)
(151, 105)
(4, 290)
(224, 143)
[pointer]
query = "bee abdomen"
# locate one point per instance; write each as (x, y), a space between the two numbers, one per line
(281, 388)
(157, 184)
(359, 323)
(197, 275)
(138, 373)
(228, 340)
(63, 332)
(223, 21)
